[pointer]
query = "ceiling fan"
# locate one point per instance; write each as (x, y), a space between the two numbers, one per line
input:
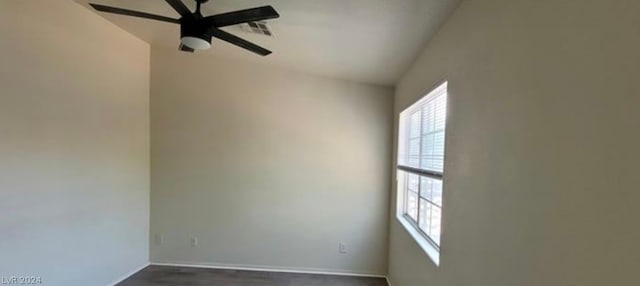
(196, 30)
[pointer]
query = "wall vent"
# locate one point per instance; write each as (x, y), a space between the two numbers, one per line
(257, 28)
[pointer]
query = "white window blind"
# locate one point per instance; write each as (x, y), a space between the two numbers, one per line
(422, 133)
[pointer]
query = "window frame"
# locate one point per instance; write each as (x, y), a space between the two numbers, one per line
(402, 166)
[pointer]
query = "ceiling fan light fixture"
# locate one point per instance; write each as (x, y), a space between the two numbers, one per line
(196, 30)
(195, 43)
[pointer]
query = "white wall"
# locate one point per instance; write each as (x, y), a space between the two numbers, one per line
(268, 168)
(74, 145)
(541, 183)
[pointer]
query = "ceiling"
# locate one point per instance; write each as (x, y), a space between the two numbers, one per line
(371, 41)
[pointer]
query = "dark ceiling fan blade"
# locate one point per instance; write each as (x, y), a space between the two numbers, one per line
(222, 35)
(179, 6)
(242, 16)
(126, 12)
(186, 49)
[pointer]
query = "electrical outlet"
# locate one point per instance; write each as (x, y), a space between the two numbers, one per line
(159, 238)
(342, 247)
(194, 242)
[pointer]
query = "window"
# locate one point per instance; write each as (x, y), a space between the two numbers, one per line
(421, 165)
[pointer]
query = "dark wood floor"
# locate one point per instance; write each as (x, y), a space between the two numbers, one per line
(166, 275)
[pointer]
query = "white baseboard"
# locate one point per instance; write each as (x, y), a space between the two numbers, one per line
(128, 274)
(267, 269)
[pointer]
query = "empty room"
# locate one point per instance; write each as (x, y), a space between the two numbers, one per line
(320, 143)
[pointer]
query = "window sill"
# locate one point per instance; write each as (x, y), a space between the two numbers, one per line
(426, 246)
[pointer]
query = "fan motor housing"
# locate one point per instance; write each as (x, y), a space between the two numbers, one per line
(194, 30)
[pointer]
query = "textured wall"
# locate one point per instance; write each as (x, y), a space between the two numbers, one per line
(268, 168)
(74, 145)
(541, 184)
